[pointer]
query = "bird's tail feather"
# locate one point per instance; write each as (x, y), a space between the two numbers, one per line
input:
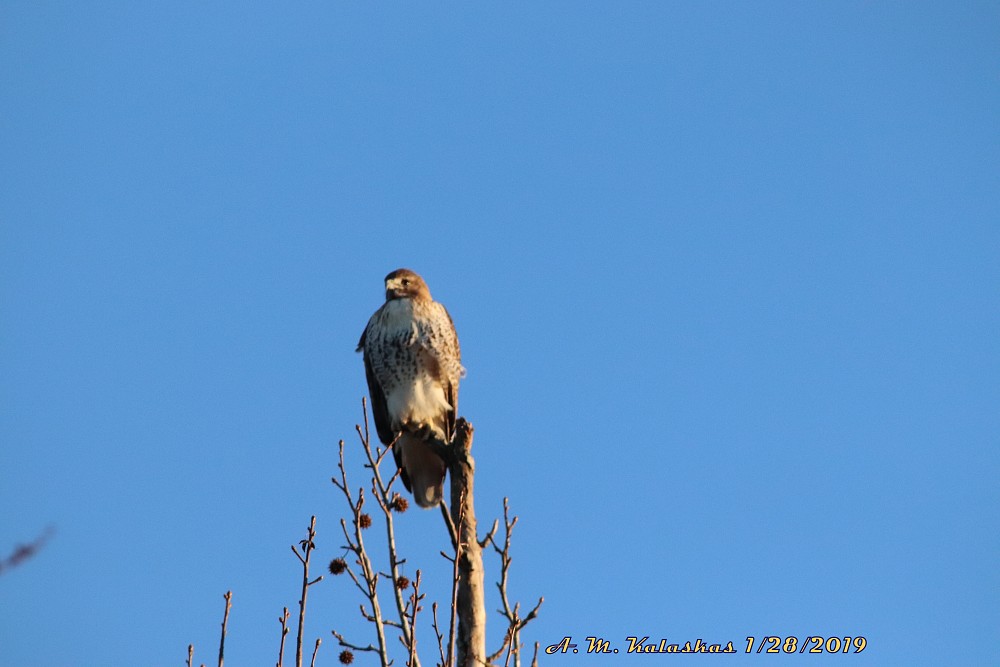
(423, 467)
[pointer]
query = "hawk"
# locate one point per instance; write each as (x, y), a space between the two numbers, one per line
(413, 364)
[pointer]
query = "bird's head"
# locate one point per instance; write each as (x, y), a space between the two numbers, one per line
(405, 284)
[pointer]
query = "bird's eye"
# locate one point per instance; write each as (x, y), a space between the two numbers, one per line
(406, 282)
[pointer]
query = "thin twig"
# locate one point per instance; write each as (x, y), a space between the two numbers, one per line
(452, 533)
(513, 648)
(225, 621)
(283, 619)
(455, 582)
(312, 663)
(437, 633)
(190, 654)
(489, 536)
(354, 647)
(414, 608)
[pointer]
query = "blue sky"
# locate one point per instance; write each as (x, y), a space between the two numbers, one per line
(725, 277)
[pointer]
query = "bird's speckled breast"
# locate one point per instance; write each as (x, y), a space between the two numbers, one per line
(405, 346)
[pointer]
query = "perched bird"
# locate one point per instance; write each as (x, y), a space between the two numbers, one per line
(413, 364)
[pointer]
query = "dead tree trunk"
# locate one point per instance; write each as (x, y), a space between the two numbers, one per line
(471, 603)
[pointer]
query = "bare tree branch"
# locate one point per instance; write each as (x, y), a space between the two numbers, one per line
(467, 617)
(356, 545)
(307, 545)
(387, 503)
(466, 634)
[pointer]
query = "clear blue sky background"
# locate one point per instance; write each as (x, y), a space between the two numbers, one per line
(725, 275)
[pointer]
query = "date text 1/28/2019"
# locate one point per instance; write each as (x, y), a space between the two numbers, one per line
(765, 644)
(811, 644)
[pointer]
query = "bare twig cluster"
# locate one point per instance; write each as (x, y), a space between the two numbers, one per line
(364, 574)
(515, 623)
(461, 643)
(222, 640)
(304, 553)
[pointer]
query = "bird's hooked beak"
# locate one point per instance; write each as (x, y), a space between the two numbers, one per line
(394, 290)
